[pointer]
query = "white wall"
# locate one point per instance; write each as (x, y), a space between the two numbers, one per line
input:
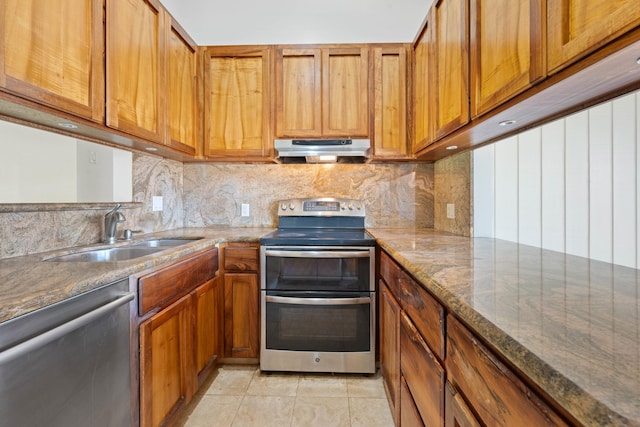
(570, 186)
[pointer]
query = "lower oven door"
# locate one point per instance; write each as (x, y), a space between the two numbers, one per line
(333, 333)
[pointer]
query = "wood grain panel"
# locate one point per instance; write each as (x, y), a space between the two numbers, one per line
(390, 102)
(390, 273)
(242, 321)
(423, 374)
(427, 314)
(165, 363)
(577, 27)
(209, 326)
(345, 84)
(451, 74)
(423, 92)
(299, 92)
(241, 258)
(51, 51)
(507, 53)
(161, 286)
(457, 412)
(182, 107)
(389, 324)
(136, 60)
(497, 395)
(409, 415)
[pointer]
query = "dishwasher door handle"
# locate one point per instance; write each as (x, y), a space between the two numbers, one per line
(317, 301)
(52, 334)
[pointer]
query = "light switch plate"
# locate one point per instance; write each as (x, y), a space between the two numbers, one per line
(245, 209)
(157, 204)
(451, 210)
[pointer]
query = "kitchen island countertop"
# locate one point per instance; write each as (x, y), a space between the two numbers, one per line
(569, 324)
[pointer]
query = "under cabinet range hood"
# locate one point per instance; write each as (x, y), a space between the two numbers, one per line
(322, 150)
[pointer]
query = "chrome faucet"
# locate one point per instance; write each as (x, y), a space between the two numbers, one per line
(111, 220)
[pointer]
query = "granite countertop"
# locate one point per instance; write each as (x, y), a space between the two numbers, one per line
(27, 283)
(570, 324)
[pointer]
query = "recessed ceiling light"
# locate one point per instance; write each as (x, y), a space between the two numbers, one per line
(452, 147)
(68, 125)
(638, 61)
(507, 123)
(151, 149)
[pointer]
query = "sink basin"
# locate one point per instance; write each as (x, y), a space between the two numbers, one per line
(164, 243)
(106, 255)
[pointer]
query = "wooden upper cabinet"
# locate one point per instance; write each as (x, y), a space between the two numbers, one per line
(423, 93)
(390, 102)
(322, 92)
(136, 60)
(237, 102)
(578, 27)
(507, 52)
(182, 105)
(451, 65)
(51, 51)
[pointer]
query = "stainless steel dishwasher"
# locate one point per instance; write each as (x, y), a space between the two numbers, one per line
(67, 364)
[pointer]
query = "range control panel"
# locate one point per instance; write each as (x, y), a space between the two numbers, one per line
(323, 206)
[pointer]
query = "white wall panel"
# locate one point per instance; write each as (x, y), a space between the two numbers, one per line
(506, 189)
(553, 174)
(624, 181)
(577, 184)
(483, 192)
(637, 180)
(601, 179)
(529, 188)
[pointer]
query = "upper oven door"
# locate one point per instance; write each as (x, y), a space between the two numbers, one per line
(317, 269)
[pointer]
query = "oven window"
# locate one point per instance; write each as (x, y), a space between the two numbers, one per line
(317, 274)
(330, 328)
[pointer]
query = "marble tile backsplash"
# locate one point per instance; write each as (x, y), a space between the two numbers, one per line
(396, 195)
(452, 176)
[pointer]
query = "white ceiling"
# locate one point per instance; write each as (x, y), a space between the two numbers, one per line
(242, 22)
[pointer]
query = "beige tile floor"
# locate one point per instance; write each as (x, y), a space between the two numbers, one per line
(242, 396)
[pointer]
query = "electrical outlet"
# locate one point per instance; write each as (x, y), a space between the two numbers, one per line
(245, 209)
(157, 204)
(451, 211)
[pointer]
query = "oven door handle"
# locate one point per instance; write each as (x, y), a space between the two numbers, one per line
(318, 301)
(318, 254)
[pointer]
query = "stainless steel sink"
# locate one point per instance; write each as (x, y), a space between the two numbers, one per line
(165, 243)
(111, 254)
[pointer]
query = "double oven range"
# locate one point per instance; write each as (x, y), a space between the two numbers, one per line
(318, 289)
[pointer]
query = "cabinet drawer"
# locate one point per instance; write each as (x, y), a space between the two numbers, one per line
(496, 394)
(423, 374)
(426, 313)
(241, 258)
(163, 286)
(390, 273)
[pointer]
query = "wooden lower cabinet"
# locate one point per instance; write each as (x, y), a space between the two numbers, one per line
(389, 312)
(496, 394)
(456, 409)
(240, 262)
(181, 335)
(409, 415)
(166, 360)
(422, 372)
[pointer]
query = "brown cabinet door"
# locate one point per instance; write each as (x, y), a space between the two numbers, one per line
(451, 65)
(166, 363)
(136, 61)
(237, 102)
(578, 27)
(51, 51)
(345, 91)
(389, 324)
(423, 93)
(457, 412)
(390, 102)
(409, 415)
(423, 374)
(209, 326)
(182, 105)
(298, 92)
(507, 51)
(322, 92)
(496, 394)
(242, 321)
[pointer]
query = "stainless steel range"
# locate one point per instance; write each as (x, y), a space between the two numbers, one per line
(318, 289)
